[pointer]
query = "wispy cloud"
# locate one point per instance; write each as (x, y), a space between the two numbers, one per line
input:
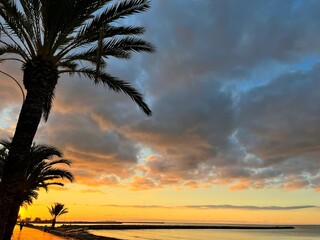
(274, 208)
(206, 207)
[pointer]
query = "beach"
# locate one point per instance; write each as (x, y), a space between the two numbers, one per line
(123, 231)
(31, 232)
(28, 233)
(147, 231)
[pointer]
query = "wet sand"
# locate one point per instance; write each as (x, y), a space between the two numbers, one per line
(34, 234)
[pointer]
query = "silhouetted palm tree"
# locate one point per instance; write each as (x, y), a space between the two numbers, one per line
(52, 37)
(42, 171)
(57, 210)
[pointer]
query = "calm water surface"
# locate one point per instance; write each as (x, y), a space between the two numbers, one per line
(300, 232)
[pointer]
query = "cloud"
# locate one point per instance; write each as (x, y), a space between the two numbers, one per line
(211, 125)
(234, 91)
(235, 36)
(272, 208)
(141, 183)
(207, 207)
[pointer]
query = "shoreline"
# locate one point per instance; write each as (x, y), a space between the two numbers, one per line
(185, 226)
(79, 232)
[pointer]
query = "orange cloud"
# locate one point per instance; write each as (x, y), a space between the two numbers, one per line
(141, 183)
(192, 184)
(240, 186)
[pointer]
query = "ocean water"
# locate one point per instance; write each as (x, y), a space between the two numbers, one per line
(300, 232)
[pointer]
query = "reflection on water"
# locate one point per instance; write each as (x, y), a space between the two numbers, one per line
(300, 232)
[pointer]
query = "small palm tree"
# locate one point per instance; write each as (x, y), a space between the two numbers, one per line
(57, 210)
(42, 172)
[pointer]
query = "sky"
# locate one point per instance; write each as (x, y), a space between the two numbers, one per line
(234, 136)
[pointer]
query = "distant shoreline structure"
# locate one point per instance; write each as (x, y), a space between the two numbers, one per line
(115, 225)
(172, 226)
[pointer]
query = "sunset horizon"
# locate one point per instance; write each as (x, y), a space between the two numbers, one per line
(91, 207)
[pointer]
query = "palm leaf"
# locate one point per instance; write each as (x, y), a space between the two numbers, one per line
(18, 23)
(41, 170)
(121, 10)
(116, 85)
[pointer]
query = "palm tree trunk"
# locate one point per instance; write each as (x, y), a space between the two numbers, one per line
(54, 222)
(13, 171)
(12, 221)
(39, 78)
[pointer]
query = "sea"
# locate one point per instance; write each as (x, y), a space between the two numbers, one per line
(301, 232)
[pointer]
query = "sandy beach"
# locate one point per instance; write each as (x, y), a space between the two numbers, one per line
(28, 233)
(38, 233)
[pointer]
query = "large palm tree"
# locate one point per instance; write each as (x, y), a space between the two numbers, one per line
(57, 210)
(54, 37)
(43, 170)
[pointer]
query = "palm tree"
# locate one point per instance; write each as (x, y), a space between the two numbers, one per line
(42, 172)
(54, 37)
(57, 210)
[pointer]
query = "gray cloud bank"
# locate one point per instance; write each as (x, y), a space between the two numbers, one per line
(234, 87)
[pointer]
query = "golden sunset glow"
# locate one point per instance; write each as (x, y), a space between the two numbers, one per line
(23, 212)
(238, 207)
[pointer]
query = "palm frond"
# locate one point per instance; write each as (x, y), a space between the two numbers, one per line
(129, 44)
(61, 22)
(89, 34)
(29, 197)
(18, 23)
(42, 170)
(57, 209)
(32, 10)
(116, 47)
(45, 185)
(11, 59)
(39, 152)
(116, 85)
(57, 174)
(68, 65)
(13, 48)
(58, 161)
(64, 211)
(121, 10)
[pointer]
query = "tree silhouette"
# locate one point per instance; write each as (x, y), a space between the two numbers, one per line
(54, 37)
(57, 210)
(42, 172)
